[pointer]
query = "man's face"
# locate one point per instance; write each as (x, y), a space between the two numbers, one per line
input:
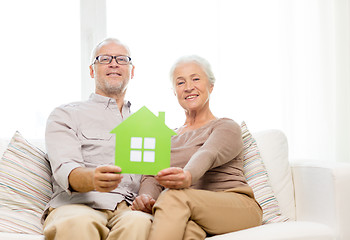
(111, 79)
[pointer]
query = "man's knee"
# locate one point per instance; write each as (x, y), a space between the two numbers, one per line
(133, 224)
(60, 223)
(136, 218)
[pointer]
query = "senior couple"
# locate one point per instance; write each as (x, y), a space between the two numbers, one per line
(203, 193)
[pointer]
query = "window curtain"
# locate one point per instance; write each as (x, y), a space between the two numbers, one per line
(279, 64)
(315, 70)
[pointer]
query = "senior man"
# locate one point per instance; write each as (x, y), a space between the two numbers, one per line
(91, 199)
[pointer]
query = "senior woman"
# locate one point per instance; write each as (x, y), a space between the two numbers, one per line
(206, 192)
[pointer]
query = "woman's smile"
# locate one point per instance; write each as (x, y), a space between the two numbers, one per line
(191, 97)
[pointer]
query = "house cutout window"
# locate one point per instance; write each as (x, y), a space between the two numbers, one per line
(142, 149)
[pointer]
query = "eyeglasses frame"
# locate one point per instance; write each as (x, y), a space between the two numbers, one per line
(112, 57)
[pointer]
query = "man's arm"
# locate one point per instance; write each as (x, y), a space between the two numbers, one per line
(67, 163)
(102, 179)
(66, 159)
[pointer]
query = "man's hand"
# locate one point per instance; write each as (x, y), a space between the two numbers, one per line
(102, 178)
(174, 177)
(143, 203)
(106, 178)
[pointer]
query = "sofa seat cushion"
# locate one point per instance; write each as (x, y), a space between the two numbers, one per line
(282, 231)
(20, 236)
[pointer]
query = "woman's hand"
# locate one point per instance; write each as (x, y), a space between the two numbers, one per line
(174, 177)
(143, 203)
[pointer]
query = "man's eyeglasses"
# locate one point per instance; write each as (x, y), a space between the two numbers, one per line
(107, 59)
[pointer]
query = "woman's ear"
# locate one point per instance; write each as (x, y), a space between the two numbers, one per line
(174, 91)
(211, 88)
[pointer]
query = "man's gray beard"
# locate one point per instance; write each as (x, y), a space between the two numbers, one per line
(112, 90)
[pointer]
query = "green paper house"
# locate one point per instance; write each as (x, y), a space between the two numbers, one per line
(143, 143)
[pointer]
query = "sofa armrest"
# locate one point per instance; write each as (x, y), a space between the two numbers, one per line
(322, 194)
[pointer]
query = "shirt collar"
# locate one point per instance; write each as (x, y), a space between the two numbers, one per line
(107, 101)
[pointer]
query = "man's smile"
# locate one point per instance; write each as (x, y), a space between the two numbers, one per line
(113, 74)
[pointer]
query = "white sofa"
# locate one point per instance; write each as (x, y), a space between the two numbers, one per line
(314, 196)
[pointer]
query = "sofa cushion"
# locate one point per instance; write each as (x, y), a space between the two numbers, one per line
(3, 145)
(20, 236)
(273, 146)
(40, 143)
(25, 187)
(282, 231)
(258, 179)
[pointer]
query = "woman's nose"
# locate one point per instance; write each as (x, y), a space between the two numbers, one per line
(189, 86)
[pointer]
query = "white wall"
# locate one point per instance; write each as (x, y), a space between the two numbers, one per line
(40, 62)
(279, 64)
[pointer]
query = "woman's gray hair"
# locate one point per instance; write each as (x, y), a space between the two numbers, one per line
(203, 63)
(107, 40)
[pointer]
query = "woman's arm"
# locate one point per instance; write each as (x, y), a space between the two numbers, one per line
(148, 193)
(223, 144)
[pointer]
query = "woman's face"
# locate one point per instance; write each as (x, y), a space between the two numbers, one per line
(192, 86)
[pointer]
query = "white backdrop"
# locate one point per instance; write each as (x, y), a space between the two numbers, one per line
(279, 63)
(39, 63)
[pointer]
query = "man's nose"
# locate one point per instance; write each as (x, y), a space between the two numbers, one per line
(113, 63)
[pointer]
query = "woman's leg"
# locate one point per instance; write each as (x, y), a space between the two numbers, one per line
(215, 212)
(193, 231)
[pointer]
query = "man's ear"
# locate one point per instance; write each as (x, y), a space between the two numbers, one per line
(92, 74)
(132, 72)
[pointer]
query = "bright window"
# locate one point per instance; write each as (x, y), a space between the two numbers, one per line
(278, 64)
(40, 62)
(239, 38)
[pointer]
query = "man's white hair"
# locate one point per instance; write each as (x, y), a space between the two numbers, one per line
(107, 40)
